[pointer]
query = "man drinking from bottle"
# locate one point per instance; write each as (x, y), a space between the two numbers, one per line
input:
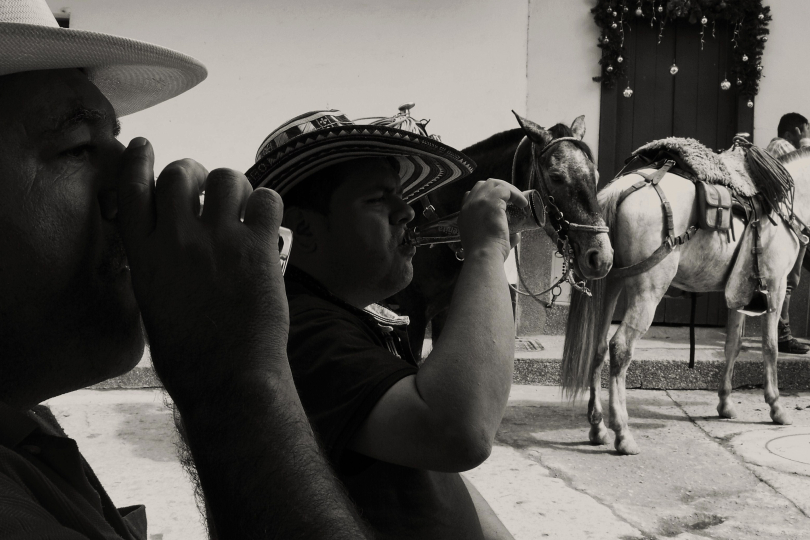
(398, 435)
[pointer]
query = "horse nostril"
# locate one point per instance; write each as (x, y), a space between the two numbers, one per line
(592, 258)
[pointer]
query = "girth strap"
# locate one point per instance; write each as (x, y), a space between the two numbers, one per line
(658, 255)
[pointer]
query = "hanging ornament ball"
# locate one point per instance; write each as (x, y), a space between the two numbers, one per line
(625, 9)
(725, 85)
(614, 25)
(673, 69)
(614, 13)
(739, 82)
(629, 92)
(764, 38)
(703, 21)
(606, 40)
(750, 104)
(761, 16)
(610, 9)
(745, 58)
(609, 69)
(620, 59)
(660, 9)
(759, 69)
(639, 13)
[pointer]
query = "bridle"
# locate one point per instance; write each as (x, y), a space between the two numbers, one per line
(560, 225)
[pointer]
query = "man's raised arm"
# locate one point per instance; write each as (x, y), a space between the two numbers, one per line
(212, 299)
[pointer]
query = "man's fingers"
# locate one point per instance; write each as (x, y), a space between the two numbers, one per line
(226, 194)
(509, 193)
(263, 212)
(136, 197)
(177, 192)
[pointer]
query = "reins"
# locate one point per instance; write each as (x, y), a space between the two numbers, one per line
(559, 224)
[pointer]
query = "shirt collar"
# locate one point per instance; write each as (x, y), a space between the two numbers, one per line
(15, 426)
(380, 314)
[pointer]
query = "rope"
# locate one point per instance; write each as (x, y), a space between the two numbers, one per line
(771, 178)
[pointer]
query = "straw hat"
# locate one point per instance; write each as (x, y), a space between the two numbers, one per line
(318, 139)
(131, 74)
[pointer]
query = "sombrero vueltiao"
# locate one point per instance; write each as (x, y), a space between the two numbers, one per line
(131, 74)
(318, 139)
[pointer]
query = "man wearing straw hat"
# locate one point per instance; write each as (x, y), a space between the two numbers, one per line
(69, 316)
(397, 433)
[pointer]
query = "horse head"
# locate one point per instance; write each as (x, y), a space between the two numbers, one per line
(560, 166)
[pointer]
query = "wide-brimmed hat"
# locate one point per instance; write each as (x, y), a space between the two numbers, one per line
(132, 75)
(315, 140)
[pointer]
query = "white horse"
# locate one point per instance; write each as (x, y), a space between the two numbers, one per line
(703, 264)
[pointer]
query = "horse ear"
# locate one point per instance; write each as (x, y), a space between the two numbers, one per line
(535, 133)
(578, 127)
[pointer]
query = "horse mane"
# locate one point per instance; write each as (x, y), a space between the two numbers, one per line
(796, 155)
(561, 130)
(608, 198)
(496, 141)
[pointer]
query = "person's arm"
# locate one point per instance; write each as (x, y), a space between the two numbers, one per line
(212, 299)
(445, 417)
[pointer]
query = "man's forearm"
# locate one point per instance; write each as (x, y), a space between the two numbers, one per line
(469, 371)
(260, 467)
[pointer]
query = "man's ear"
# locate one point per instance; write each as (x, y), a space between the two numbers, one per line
(534, 132)
(300, 223)
(578, 127)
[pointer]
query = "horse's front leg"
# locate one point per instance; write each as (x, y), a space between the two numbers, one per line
(770, 353)
(644, 292)
(599, 433)
(734, 328)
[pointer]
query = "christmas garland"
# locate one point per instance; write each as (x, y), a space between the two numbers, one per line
(749, 19)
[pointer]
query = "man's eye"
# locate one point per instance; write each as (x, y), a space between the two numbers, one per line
(78, 152)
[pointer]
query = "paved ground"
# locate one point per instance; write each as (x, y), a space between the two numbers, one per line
(697, 476)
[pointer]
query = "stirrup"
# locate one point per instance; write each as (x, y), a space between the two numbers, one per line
(760, 304)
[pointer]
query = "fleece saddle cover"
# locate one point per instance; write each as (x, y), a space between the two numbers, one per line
(779, 250)
(727, 169)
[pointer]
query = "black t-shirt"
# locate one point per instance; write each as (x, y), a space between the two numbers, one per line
(343, 361)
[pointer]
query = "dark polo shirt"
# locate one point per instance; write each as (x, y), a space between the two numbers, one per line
(47, 489)
(343, 361)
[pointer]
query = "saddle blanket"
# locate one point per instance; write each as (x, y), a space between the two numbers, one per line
(727, 169)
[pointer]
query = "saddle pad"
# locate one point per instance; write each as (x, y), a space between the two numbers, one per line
(714, 206)
(699, 160)
(734, 160)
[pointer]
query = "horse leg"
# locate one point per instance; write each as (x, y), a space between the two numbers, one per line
(770, 355)
(644, 292)
(734, 328)
(599, 434)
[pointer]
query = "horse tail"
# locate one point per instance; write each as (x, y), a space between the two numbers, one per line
(585, 316)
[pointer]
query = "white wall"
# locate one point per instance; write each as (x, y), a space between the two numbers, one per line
(462, 61)
(785, 82)
(562, 60)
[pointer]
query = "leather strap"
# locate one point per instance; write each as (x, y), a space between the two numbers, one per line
(658, 255)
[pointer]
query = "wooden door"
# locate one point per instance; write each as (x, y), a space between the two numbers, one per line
(688, 104)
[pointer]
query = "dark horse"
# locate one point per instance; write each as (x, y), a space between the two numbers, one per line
(558, 164)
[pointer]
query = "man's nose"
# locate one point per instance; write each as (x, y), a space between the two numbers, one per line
(108, 186)
(404, 213)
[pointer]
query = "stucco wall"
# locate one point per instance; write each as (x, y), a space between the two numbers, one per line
(785, 83)
(462, 61)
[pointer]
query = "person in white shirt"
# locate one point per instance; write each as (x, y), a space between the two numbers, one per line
(793, 133)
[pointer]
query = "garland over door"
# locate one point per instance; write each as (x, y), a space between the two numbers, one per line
(690, 103)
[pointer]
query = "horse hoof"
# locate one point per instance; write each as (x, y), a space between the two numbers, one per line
(598, 435)
(781, 416)
(726, 410)
(626, 446)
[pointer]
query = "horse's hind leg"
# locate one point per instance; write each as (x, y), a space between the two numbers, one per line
(734, 328)
(770, 355)
(599, 433)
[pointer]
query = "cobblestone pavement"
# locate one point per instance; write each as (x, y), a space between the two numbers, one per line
(697, 476)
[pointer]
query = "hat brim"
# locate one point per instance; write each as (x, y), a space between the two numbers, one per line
(131, 74)
(425, 164)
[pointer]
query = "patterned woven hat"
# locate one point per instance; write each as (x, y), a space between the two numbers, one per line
(131, 74)
(318, 139)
